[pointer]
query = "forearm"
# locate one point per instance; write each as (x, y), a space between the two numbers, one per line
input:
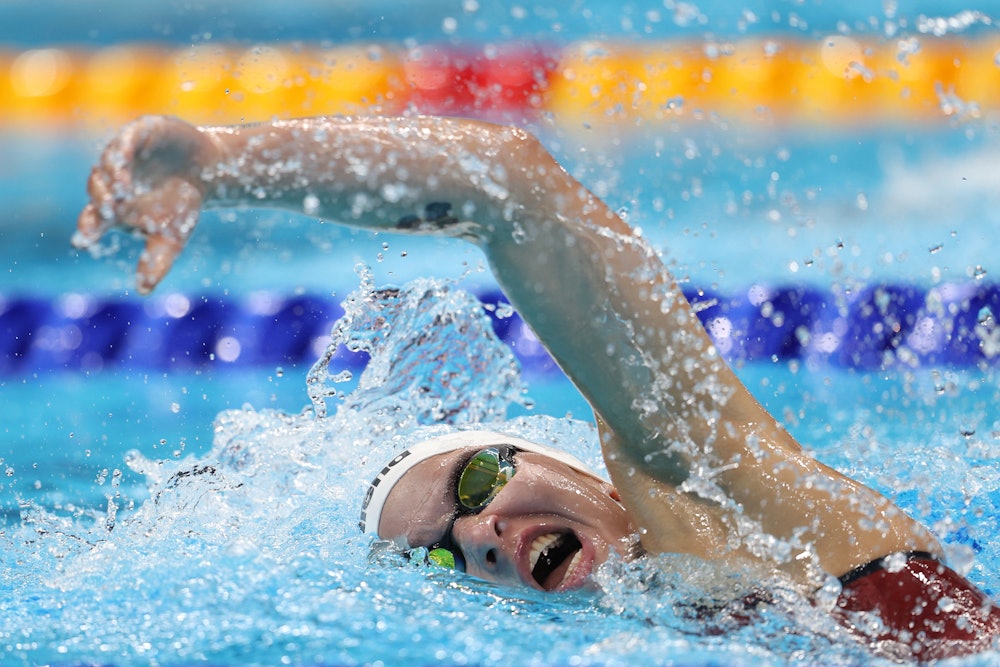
(420, 175)
(794, 497)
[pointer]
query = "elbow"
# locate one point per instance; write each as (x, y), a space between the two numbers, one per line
(527, 150)
(531, 176)
(515, 147)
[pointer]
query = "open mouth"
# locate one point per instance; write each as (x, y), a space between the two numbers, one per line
(553, 557)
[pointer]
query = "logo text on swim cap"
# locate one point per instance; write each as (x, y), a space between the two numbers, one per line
(374, 483)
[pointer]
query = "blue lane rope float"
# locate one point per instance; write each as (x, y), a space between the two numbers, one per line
(874, 327)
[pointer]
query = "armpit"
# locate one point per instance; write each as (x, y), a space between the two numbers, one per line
(438, 217)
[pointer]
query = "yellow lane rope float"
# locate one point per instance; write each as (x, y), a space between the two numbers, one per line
(833, 80)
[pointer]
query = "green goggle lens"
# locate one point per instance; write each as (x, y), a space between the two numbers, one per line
(441, 557)
(483, 477)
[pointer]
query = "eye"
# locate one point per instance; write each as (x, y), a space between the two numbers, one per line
(483, 476)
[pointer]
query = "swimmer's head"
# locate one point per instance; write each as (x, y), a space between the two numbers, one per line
(500, 508)
(394, 470)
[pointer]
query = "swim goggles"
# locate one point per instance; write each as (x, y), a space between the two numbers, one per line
(393, 471)
(479, 481)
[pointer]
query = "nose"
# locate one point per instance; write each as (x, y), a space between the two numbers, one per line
(480, 537)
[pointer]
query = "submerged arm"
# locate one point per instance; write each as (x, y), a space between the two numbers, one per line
(594, 291)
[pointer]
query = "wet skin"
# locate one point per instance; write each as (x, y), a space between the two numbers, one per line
(546, 503)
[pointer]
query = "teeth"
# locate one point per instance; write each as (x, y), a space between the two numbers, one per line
(573, 563)
(540, 544)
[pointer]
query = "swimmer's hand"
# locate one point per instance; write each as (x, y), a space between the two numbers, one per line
(149, 180)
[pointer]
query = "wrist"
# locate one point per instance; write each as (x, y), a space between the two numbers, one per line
(219, 165)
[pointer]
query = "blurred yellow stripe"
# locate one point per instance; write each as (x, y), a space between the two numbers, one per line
(834, 80)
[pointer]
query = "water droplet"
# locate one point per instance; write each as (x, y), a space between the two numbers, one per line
(342, 376)
(518, 233)
(175, 408)
(310, 205)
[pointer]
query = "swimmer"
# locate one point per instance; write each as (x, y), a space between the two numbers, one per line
(693, 458)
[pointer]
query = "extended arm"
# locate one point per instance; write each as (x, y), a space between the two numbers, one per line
(590, 287)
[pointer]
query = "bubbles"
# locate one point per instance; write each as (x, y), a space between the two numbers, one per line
(404, 331)
(310, 204)
(939, 26)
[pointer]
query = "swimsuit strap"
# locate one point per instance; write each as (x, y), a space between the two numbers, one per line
(879, 564)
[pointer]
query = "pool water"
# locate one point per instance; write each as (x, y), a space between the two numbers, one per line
(160, 513)
(248, 553)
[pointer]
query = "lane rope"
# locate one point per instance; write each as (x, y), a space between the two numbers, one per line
(834, 80)
(879, 326)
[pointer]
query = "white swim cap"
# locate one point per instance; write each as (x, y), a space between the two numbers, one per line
(389, 476)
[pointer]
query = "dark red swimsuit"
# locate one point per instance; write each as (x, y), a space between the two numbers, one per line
(927, 610)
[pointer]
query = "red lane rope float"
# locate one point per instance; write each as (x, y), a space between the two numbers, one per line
(837, 79)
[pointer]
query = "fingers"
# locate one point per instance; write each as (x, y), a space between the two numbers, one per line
(167, 218)
(144, 181)
(111, 185)
(98, 215)
(89, 228)
(155, 261)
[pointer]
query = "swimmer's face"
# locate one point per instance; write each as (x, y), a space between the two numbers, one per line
(547, 528)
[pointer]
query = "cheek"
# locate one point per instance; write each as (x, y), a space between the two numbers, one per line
(415, 521)
(606, 515)
(584, 501)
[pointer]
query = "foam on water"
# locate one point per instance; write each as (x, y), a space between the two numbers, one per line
(251, 554)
